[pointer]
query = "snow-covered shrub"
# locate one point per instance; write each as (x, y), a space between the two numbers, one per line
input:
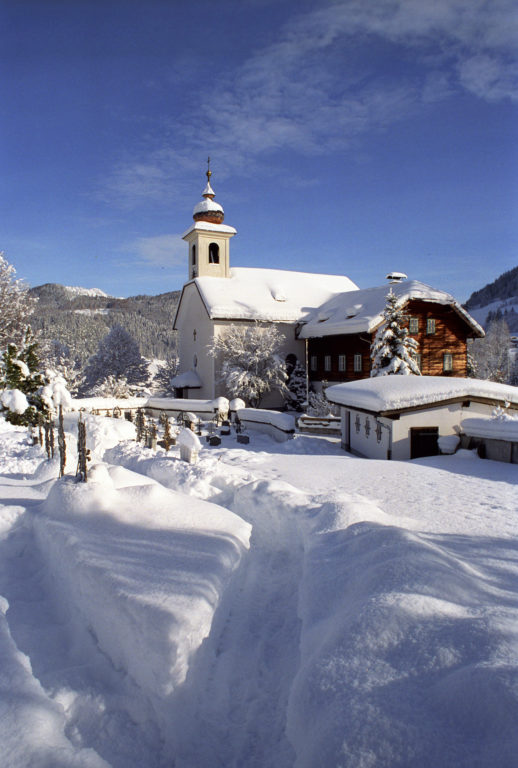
(112, 386)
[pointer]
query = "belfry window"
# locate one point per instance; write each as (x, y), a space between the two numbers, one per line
(213, 253)
(193, 255)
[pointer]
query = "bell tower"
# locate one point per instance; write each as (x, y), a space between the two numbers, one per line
(208, 238)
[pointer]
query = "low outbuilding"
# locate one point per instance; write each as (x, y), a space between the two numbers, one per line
(403, 417)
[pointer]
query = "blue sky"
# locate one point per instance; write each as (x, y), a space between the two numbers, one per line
(345, 136)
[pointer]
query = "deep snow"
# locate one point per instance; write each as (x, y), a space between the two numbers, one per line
(272, 605)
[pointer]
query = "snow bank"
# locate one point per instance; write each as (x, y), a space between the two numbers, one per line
(101, 433)
(405, 657)
(143, 569)
(25, 708)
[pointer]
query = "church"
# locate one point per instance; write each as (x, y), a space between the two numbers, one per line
(326, 321)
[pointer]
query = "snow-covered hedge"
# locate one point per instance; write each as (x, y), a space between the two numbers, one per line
(280, 426)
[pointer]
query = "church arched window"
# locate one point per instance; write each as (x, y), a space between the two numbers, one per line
(213, 253)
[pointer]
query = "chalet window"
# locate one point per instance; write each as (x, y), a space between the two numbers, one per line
(313, 363)
(358, 363)
(213, 253)
(413, 325)
(430, 325)
(418, 360)
(447, 362)
(327, 362)
(342, 363)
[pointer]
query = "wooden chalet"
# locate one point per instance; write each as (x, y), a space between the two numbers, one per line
(340, 334)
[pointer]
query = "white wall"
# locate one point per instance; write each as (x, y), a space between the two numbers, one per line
(447, 418)
(193, 317)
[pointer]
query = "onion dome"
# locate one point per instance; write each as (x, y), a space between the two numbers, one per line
(207, 209)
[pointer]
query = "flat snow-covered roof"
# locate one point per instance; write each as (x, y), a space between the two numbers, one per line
(269, 294)
(362, 311)
(393, 393)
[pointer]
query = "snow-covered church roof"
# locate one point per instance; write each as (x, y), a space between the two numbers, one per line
(362, 311)
(273, 295)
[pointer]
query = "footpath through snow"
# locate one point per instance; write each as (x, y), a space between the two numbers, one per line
(274, 605)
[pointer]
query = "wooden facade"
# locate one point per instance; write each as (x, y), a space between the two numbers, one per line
(441, 334)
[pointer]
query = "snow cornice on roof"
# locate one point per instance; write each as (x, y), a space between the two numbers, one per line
(206, 226)
(392, 395)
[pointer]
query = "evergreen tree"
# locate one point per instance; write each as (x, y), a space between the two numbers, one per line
(297, 386)
(20, 372)
(117, 355)
(251, 364)
(393, 350)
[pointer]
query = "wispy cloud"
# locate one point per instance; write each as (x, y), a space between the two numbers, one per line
(333, 74)
(160, 250)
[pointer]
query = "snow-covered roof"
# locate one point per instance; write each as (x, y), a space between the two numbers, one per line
(187, 379)
(393, 393)
(207, 226)
(362, 311)
(269, 294)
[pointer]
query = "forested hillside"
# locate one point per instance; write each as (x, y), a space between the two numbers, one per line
(504, 287)
(497, 301)
(81, 321)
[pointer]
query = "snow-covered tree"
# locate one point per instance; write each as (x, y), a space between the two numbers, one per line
(490, 355)
(21, 375)
(58, 357)
(117, 355)
(251, 364)
(393, 350)
(16, 306)
(297, 386)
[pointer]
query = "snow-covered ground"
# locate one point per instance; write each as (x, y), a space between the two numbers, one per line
(271, 605)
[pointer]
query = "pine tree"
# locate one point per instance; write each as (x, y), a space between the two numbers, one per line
(251, 364)
(20, 371)
(297, 385)
(393, 350)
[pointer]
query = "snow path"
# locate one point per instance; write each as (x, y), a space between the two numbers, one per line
(249, 676)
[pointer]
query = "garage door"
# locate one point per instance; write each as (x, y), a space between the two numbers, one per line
(423, 441)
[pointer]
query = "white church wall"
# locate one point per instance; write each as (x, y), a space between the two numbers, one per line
(195, 336)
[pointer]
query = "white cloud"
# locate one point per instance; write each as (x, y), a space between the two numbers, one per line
(333, 74)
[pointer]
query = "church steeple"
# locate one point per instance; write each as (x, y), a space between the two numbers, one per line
(208, 237)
